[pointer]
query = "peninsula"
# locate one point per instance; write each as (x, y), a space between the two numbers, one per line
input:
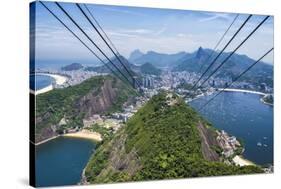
(164, 139)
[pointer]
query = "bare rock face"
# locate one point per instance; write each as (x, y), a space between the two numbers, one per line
(46, 133)
(97, 95)
(122, 161)
(97, 101)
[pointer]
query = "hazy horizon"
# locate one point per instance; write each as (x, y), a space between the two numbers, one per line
(147, 29)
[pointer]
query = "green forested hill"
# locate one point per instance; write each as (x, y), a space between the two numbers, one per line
(160, 141)
(100, 94)
(72, 67)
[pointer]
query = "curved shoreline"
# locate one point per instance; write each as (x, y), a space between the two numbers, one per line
(59, 80)
(250, 92)
(44, 90)
(241, 161)
(46, 140)
(236, 90)
(242, 91)
(83, 134)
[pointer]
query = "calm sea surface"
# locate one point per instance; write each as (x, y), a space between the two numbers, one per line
(246, 117)
(62, 160)
(40, 81)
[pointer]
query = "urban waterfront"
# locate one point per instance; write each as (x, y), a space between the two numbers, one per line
(246, 117)
(62, 160)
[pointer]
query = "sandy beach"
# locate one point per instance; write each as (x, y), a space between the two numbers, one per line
(44, 90)
(85, 134)
(238, 160)
(59, 79)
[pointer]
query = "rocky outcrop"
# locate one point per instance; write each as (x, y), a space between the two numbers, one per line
(116, 163)
(46, 133)
(97, 95)
(98, 101)
(122, 161)
(208, 141)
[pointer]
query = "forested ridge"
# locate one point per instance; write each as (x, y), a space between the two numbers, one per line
(160, 141)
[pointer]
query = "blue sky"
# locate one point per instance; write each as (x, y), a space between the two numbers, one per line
(160, 30)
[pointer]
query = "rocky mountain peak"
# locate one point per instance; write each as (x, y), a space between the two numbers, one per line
(199, 52)
(135, 54)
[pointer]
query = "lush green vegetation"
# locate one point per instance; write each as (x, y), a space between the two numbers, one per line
(51, 107)
(99, 162)
(106, 133)
(165, 138)
(59, 102)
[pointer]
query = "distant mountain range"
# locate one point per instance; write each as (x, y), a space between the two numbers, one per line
(159, 60)
(199, 60)
(146, 68)
(133, 69)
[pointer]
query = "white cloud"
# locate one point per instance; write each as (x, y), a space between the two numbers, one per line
(181, 35)
(137, 31)
(120, 34)
(122, 11)
(164, 37)
(162, 44)
(215, 16)
(162, 30)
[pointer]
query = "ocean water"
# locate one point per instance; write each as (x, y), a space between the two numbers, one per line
(246, 117)
(38, 82)
(61, 161)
